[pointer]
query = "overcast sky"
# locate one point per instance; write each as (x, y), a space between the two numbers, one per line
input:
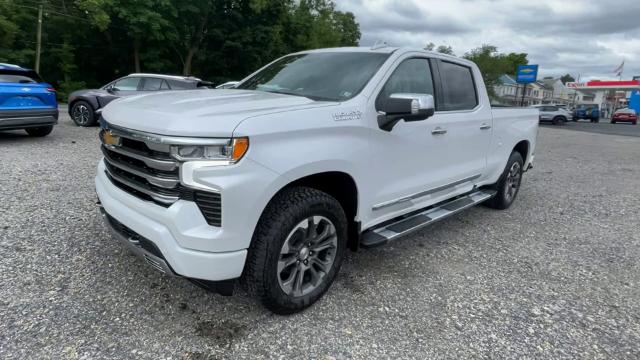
(590, 38)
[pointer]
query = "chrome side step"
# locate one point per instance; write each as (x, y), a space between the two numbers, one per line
(408, 224)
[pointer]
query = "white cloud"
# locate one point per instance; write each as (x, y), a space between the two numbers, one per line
(578, 37)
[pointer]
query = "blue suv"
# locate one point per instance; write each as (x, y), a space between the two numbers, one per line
(26, 101)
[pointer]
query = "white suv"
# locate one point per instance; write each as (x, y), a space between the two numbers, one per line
(554, 114)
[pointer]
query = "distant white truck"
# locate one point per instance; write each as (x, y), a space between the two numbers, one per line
(318, 152)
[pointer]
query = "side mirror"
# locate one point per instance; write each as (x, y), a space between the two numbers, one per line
(112, 89)
(407, 107)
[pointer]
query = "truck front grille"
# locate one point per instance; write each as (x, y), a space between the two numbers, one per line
(148, 172)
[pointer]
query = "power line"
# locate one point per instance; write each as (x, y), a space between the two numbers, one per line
(69, 16)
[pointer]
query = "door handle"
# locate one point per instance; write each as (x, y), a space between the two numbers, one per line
(485, 127)
(438, 131)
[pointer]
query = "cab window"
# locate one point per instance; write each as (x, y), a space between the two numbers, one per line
(459, 89)
(411, 76)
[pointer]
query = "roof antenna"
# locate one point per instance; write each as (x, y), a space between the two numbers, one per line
(379, 45)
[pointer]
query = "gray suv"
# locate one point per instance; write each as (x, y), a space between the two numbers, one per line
(85, 105)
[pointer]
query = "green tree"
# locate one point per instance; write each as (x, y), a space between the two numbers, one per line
(512, 60)
(445, 50)
(91, 42)
(493, 64)
(567, 78)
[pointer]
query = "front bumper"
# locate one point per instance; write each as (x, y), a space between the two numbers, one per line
(187, 244)
(22, 119)
(174, 259)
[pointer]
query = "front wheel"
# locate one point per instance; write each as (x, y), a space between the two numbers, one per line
(296, 250)
(509, 184)
(82, 114)
(559, 120)
(39, 131)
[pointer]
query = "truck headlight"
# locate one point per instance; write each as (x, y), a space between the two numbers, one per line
(232, 151)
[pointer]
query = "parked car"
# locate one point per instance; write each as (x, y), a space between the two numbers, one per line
(315, 153)
(553, 114)
(26, 101)
(625, 115)
(85, 106)
(589, 112)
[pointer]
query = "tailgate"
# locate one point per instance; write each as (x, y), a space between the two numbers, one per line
(16, 96)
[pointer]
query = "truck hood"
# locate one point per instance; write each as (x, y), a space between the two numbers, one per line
(199, 113)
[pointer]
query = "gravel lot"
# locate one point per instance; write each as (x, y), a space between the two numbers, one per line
(555, 276)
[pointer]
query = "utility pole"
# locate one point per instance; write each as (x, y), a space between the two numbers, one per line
(39, 38)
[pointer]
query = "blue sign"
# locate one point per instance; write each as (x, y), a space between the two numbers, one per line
(527, 74)
(634, 101)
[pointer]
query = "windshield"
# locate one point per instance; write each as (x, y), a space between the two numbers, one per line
(334, 76)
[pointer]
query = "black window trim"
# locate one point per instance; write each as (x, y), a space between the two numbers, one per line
(475, 89)
(436, 82)
(165, 82)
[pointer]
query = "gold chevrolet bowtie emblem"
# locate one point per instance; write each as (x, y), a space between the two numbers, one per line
(108, 138)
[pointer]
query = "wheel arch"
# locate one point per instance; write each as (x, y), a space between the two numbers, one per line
(341, 186)
(523, 148)
(91, 100)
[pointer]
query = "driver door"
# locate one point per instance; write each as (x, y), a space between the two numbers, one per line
(417, 163)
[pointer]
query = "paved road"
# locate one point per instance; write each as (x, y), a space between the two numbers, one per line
(604, 127)
(555, 276)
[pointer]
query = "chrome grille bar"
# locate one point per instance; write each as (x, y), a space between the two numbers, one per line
(164, 165)
(145, 171)
(164, 199)
(165, 182)
(140, 164)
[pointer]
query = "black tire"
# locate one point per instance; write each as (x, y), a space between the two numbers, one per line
(613, 122)
(39, 131)
(559, 120)
(82, 114)
(502, 200)
(284, 214)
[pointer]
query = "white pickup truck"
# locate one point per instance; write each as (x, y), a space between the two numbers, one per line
(318, 152)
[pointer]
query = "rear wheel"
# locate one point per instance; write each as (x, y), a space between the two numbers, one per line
(509, 184)
(559, 120)
(39, 131)
(82, 114)
(296, 250)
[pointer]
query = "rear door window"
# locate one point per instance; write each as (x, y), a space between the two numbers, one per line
(165, 85)
(181, 85)
(152, 84)
(459, 89)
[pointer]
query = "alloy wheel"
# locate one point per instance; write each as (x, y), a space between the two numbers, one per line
(513, 181)
(81, 114)
(307, 256)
